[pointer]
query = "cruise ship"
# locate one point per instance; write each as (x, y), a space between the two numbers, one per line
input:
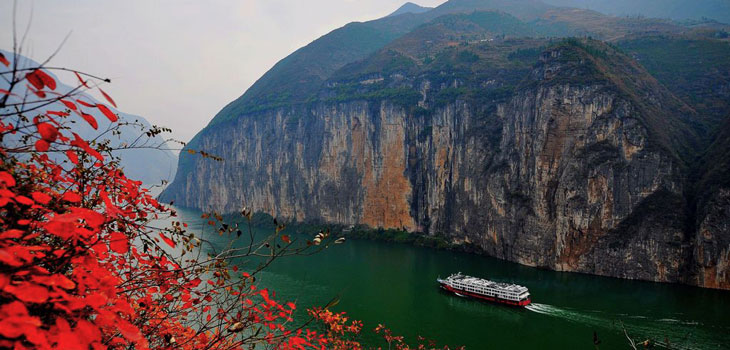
(505, 293)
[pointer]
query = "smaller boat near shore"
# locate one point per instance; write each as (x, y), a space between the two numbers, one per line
(504, 293)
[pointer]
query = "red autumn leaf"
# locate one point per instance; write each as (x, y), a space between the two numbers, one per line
(84, 103)
(63, 226)
(7, 179)
(107, 112)
(14, 256)
(94, 153)
(71, 197)
(34, 79)
(59, 280)
(89, 216)
(72, 156)
(6, 92)
(119, 243)
(67, 339)
(101, 249)
(286, 239)
(16, 320)
(38, 93)
(81, 80)
(128, 330)
(46, 79)
(88, 331)
(123, 307)
(4, 60)
(90, 119)
(41, 145)
(108, 98)
(40, 197)
(79, 142)
(96, 300)
(58, 113)
(48, 132)
(70, 105)
(167, 240)
(29, 292)
(10, 234)
(4, 279)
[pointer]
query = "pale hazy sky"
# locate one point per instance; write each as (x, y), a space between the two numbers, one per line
(174, 62)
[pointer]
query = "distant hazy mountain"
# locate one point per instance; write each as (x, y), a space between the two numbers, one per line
(522, 9)
(675, 9)
(150, 166)
(410, 7)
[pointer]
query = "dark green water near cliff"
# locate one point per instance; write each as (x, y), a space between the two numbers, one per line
(394, 284)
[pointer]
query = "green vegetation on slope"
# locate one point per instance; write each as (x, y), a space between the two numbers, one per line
(523, 9)
(713, 167)
(675, 9)
(696, 70)
(493, 22)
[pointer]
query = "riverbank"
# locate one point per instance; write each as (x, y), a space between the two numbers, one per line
(264, 221)
(363, 232)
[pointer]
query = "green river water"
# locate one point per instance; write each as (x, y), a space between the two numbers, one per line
(395, 284)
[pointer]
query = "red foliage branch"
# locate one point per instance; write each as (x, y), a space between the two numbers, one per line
(82, 268)
(79, 266)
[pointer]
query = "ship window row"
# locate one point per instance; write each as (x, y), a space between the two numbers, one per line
(469, 287)
(488, 284)
(490, 291)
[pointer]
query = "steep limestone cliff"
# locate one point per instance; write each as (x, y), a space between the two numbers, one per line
(712, 242)
(579, 169)
(712, 249)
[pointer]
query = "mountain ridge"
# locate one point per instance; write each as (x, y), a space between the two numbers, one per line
(674, 9)
(410, 7)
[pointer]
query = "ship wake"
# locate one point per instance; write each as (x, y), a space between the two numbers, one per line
(689, 334)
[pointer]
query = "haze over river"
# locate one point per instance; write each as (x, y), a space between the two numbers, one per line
(395, 284)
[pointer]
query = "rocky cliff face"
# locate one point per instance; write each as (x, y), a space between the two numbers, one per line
(712, 242)
(712, 246)
(562, 174)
